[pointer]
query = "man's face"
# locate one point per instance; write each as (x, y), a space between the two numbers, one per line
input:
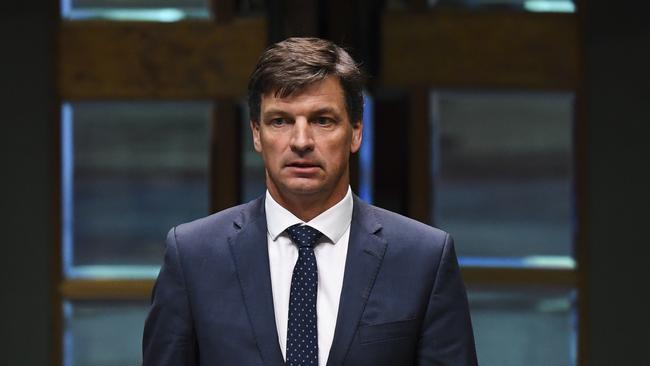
(305, 140)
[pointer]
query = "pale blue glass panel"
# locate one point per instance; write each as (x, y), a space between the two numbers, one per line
(503, 176)
(532, 326)
(130, 171)
(135, 10)
(103, 333)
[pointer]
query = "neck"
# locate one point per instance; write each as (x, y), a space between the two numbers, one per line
(306, 207)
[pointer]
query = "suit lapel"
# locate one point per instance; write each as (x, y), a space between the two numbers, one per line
(365, 253)
(250, 254)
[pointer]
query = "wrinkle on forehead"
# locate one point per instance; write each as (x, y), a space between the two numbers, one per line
(324, 95)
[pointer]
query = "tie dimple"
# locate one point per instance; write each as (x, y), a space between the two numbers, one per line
(302, 334)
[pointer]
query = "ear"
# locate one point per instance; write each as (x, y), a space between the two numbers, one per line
(357, 136)
(255, 129)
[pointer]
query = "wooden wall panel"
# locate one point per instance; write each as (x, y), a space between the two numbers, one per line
(519, 276)
(453, 48)
(186, 60)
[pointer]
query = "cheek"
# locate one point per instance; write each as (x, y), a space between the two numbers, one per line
(271, 151)
(338, 154)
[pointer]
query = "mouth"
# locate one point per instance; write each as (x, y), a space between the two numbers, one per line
(303, 167)
(303, 164)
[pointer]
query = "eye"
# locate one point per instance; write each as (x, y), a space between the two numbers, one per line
(278, 122)
(324, 121)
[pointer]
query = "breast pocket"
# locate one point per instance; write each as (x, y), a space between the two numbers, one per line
(385, 332)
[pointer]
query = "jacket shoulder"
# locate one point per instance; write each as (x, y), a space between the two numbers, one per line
(395, 227)
(218, 225)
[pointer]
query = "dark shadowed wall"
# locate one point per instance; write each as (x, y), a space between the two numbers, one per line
(26, 107)
(617, 45)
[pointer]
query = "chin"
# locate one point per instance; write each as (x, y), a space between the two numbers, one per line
(304, 189)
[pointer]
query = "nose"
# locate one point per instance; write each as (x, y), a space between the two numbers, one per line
(301, 137)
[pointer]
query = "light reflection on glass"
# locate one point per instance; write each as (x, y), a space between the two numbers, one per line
(135, 10)
(545, 6)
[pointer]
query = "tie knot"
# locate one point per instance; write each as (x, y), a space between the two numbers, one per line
(303, 235)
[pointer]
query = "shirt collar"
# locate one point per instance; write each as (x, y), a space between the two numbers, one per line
(333, 222)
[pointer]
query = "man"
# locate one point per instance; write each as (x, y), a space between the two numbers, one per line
(308, 274)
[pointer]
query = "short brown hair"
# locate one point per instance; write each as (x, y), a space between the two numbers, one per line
(295, 63)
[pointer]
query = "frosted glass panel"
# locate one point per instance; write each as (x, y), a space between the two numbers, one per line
(130, 172)
(502, 174)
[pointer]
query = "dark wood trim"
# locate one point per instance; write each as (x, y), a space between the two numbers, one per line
(581, 246)
(302, 18)
(106, 289)
(56, 265)
(56, 276)
(419, 156)
(519, 276)
(131, 60)
(223, 11)
(418, 5)
(225, 156)
(492, 49)
(141, 289)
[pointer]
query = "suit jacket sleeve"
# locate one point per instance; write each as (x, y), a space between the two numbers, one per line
(169, 337)
(447, 337)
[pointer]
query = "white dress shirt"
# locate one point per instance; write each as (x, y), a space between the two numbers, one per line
(331, 252)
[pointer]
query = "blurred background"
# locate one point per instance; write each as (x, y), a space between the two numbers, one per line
(516, 125)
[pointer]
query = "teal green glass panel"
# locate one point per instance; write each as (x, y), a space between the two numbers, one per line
(532, 326)
(103, 333)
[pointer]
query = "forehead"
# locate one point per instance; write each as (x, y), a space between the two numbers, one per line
(325, 93)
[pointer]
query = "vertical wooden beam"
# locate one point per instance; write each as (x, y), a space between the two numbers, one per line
(225, 156)
(354, 172)
(302, 18)
(580, 158)
(56, 277)
(418, 5)
(293, 18)
(419, 156)
(355, 25)
(390, 176)
(223, 11)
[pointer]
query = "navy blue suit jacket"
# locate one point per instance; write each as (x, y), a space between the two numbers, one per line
(403, 301)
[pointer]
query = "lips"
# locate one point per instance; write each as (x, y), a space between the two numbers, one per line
(303, 167)
(302, 164)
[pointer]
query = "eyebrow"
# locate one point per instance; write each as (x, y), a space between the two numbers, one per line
(272, 111)
(281, 112)
(326, 110)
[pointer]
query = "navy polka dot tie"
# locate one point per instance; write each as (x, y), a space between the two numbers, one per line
(302, 336)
